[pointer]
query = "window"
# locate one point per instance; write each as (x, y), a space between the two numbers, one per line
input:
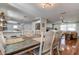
(63, 27)
(68, 27)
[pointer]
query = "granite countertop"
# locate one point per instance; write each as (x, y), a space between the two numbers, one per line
(20, 45)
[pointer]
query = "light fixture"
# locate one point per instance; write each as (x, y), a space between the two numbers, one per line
(15, 27)
(62, 17)
(47, 5)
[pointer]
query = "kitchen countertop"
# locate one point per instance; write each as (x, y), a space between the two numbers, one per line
(20, 45)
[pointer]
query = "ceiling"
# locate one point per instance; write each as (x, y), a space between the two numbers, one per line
(27, 12)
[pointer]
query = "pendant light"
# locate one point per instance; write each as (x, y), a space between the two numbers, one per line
(3, 22)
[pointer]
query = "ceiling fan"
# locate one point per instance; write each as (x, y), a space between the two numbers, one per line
(62, 21)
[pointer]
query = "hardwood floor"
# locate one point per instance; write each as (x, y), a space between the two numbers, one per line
(72, 48)
(0, 53)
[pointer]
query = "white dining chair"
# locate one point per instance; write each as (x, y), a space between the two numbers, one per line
(47, 42)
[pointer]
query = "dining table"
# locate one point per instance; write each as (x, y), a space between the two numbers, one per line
(20, 48)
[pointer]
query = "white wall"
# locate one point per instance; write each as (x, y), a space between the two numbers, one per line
(49, 25)
(28, 27)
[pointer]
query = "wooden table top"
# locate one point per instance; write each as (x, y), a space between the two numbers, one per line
(20, 45)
